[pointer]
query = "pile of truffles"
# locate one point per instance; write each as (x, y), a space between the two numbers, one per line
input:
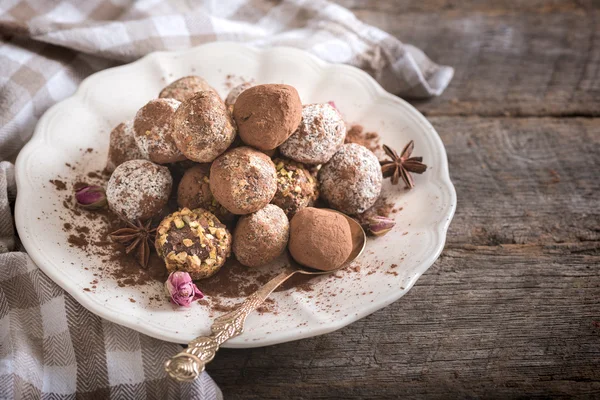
(249, 171)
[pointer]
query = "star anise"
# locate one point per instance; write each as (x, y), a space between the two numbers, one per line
(402, 165)
(136, 237)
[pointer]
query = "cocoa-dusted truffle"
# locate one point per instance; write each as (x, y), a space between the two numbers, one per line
(153, 131)
(139, 189)
(122, 146)
(235, 93)
(194, 192)
(261, 237)
(266, 115)
(185, 88)
(203, 127)
(194, 241)
(320, 239)
(320, 134)
(243, 180)
(351, 180)
(296, 187)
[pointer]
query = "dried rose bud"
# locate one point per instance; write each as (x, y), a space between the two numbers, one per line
(379, 225)
(91, 197)
(181, 289)
(332, 104)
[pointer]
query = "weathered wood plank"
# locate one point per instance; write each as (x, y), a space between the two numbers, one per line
(498, 6)
(524, 59)
(511, 308)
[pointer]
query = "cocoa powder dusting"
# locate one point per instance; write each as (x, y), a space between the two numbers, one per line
(60, 185)
(357, 135)
(78, 241)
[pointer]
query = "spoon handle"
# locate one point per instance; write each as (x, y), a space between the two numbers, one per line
(189, 363)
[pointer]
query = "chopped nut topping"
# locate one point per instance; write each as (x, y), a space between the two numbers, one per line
(210, 262)
(181, 256)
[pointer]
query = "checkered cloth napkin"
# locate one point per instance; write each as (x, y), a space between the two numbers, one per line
(50, 346)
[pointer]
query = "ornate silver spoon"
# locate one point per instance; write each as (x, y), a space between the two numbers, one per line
(189, 363)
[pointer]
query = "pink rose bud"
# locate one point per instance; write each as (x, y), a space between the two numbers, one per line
(379, 225)
(181, 289)
(332, 104)
(91, 197)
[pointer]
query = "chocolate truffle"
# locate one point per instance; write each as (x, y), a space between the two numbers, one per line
(122, 146)
(320, 134)
(266, 115)
(203, 128)
(351, 180)
(194, 241)
(194, 192)
(261, 237)
(139, 189)
(320, 239)
(243, 180)
(153, 131)
(185, 88)
(235, 93)
(296, 187)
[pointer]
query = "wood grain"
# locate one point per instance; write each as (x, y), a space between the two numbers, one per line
(542, 58)
(511, 308)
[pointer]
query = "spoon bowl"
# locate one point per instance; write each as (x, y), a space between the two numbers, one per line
(187, 365)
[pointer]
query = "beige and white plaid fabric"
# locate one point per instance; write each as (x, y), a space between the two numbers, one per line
(48, 47)
(50, 346)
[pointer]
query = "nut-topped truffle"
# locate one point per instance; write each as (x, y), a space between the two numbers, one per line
(185, 88)
(139, 189)
(203, 127)
(320, 134)
(194, 241)
(153, 131)
(266, 115)
(122, 146)
(320, 239)
(194, 192)
(351, 181)
(296, 187)
(243, 180)
(261, 237)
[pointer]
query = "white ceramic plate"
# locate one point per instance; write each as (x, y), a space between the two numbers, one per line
(389, 267)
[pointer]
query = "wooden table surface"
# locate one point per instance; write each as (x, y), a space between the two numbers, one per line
(512, 307)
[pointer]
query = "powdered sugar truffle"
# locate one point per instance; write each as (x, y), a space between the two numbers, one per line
(203, 128)
(139, 189)
(122, 146)
(261, 237)
(243, 180)
(185, 88)
(235, 93)
(321, 133)
(153, 129)
(351, 180)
